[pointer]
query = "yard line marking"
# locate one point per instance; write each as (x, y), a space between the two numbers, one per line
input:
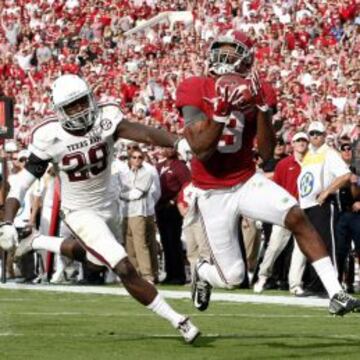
(114, 314)
(176, 294)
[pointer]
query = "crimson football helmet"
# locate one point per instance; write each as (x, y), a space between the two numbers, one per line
(223, 61)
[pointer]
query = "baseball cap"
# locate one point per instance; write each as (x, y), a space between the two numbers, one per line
(300, 135)
(316, 126)
(23, 154)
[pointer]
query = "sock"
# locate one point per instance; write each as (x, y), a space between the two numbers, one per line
(163, 309)
(210, 274)
(327, 274)
(49, 243)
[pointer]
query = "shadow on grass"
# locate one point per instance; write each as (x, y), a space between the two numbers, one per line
(278, 341)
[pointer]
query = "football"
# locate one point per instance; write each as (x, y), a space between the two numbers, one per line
(235, 81)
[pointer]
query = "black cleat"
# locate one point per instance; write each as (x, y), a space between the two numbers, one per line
(342, 303)
(200, 289)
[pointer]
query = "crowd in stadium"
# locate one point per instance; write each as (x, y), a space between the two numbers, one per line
(308, 50)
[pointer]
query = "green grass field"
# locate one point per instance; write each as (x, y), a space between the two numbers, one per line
(64, 326)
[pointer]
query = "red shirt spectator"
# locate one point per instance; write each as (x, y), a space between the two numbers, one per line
(286, 173)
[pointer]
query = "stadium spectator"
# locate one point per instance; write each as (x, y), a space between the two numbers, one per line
(286, 173)
(323, 173)
(135, 186)
(194, 236)
(312, 57)
(348, 225)
(173, 175)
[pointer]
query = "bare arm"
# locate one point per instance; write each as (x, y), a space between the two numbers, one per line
(202, 133)
(12, 206)
(182, 209)
(339, 182)
(144, 134)
(265, 134)
(355, 188)
(35, 209)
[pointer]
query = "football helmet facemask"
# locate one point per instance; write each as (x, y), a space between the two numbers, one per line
(74, 103)
(224, 60)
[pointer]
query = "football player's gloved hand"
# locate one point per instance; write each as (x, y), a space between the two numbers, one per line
(8, 236)
(258, 92)
(221, 105)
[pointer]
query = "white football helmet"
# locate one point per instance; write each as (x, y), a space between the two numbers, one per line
(68, 90)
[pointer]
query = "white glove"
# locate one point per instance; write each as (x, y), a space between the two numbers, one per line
(135, 194)
(8, 236)
(183, 149)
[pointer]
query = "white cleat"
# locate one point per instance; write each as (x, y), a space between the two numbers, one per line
(260, 285)
(188, 330)
(58, 278)
(297, 291)
(25, 246)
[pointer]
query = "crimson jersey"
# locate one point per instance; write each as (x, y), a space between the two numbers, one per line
(232, 163)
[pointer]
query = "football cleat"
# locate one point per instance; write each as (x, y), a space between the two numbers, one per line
(259, 286)
(25, 246)
(200, 289)
(342, 303)
(188, 330)
(298, 291)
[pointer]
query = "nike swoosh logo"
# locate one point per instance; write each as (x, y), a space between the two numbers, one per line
(197, 305)
(341, 303)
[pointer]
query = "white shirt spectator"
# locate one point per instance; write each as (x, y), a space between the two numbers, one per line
(24, 60)
(71, 4)
(135, 187)
(320, 167)
(340, 103)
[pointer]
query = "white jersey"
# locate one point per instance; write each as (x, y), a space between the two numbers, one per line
(84, 162)
(319, 168)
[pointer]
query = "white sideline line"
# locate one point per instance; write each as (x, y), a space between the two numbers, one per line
(176, 294)
(197, 314)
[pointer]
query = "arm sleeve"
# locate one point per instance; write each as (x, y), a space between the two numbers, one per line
(36, 166)
(192, 115)
(337, 165)
(20, 183)
(144, 182)
(155, 187)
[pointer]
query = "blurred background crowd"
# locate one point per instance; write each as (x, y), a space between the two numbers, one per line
(308, 50)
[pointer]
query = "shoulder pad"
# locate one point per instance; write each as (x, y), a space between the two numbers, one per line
(193, 90)
(110, 117)
(43, 136)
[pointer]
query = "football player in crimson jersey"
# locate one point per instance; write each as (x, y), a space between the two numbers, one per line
(221, 135)
(79, 141)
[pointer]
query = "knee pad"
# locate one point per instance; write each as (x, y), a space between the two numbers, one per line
(235, 274)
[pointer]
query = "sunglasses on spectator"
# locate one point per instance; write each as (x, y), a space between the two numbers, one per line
(316, 133)
(345, 147)
(22, 160)
(137, 157)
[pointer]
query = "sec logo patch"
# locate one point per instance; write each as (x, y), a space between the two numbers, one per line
(306, 184)
(105, 124)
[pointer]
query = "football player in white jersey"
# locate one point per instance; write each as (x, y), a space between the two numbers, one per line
(79, 142)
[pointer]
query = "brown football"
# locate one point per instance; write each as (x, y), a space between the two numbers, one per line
(233, 81)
